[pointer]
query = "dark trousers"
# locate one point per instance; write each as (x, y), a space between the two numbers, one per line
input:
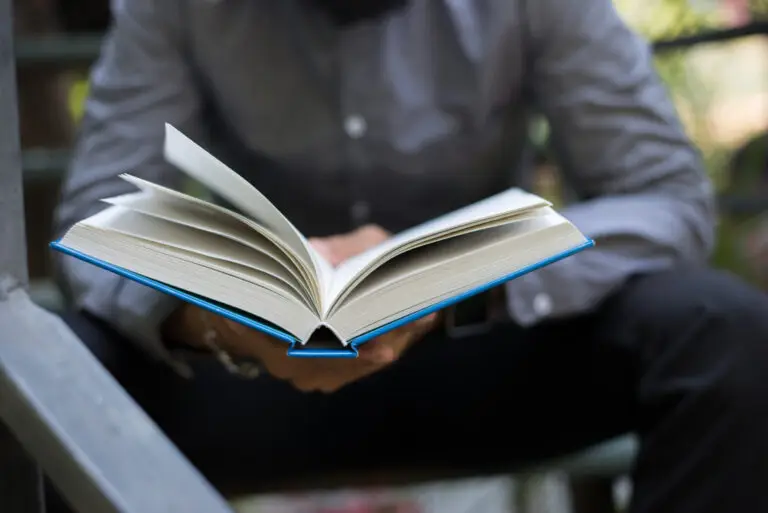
(680, 357)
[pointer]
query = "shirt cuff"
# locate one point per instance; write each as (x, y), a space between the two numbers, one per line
(527, 301)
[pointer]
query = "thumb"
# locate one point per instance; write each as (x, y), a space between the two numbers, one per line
(378, 353)
(426, 321)
(236, 327)
(323, 247)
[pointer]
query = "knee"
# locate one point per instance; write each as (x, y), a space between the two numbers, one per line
(712, 303)
(708, 331)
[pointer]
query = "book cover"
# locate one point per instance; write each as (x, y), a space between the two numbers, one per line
(294, 346)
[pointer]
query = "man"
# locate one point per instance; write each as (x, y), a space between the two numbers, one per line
(362, 118)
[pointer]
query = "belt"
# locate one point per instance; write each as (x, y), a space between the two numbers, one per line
(476, 315)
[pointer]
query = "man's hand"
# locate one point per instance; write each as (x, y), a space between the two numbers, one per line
(322, 374)
(328, 375)
(314, 374)
(338, 248)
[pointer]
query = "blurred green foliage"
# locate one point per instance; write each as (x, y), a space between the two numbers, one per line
(759, 7)
(667, 19)
(77, 95)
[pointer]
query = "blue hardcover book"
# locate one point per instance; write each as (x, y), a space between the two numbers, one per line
(254, 267)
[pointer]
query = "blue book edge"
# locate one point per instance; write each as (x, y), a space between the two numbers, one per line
(295, 347)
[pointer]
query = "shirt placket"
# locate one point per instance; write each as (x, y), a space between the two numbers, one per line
(355, 118)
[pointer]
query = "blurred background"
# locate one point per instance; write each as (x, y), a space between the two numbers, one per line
(712, 55)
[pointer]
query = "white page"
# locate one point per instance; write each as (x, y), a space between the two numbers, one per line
(177, 210)
(193, 160)
(190, 240)
(214, 280)
(504, 204)
(450, 268)
(304, 267)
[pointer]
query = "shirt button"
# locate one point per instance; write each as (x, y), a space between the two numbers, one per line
(542, 305)
(360, 211)
(355, 126)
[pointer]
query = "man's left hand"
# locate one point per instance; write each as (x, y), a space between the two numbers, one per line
(388, 347)
(338, 248)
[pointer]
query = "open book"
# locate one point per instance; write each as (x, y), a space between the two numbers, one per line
(254, 267)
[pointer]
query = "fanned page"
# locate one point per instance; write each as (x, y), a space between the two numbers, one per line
(236, 241)
(208, 245)
(193, 160)
(195, 263)
(452, 267)
(497, 209)
(168, 197)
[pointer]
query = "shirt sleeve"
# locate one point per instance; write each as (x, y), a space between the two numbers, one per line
(644, 196)
(140, 82)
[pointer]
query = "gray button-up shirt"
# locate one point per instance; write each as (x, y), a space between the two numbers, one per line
(393, 122)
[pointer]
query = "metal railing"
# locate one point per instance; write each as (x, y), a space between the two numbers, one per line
(61, 412)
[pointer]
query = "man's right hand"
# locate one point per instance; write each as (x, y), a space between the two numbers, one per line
(307, 374)
(324, 374)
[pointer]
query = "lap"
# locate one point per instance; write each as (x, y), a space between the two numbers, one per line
(492, 401)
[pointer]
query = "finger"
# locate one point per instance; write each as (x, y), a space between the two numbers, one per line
(332, 375)
(315, 374)
(236, 327)
(419, 325)
(354, 245)
(340, 248)
(427, 320)
(347, 372)
(323, 247)
(373, 234)
(305, 384)
(351, 244)
(388, 347)
(377, 352)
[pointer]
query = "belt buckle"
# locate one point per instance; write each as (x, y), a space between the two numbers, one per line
(455, 330)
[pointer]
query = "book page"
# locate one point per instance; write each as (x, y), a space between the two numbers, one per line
(452, 267)
(485, 213)
(233, 286)
(306, 270)
(197, 242)
(193, 160)
(199, 217)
